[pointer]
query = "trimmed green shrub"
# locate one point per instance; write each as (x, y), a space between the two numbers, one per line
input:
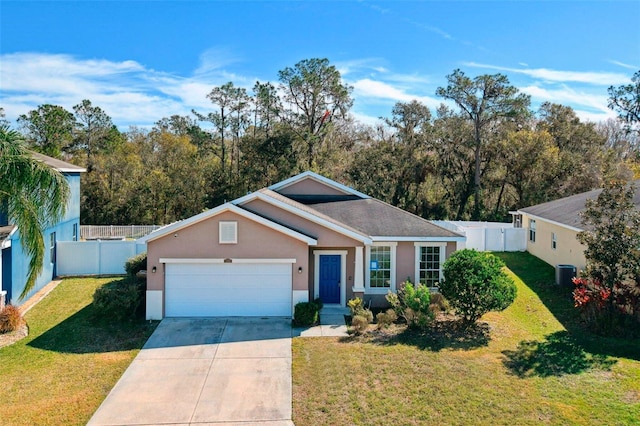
(136, 264)
(118, 300)
(10, 318)
(475, 283)
(412, 304)
(319, 303)
(305, 313)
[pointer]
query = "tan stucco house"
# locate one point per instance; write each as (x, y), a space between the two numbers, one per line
(553, 228)
(304, 238)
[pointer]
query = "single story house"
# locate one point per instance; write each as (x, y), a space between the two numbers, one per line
(553, 228)
(304, 238)
(14, 262)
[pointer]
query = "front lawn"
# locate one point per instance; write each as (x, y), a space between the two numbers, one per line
(530, 364)
(67, 365)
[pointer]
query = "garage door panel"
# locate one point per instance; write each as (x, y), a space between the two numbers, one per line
(228, 290)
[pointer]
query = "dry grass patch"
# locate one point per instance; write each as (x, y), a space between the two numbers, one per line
(521, 366)
(67, 365)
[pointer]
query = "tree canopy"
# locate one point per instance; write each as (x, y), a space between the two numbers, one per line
(480, 155)
(625, 100)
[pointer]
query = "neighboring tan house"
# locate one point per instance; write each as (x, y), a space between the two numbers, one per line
(553, 228)
(14, 262)
(304, 238)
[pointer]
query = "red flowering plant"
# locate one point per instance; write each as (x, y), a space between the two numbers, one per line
(608, 310)
(592, 298)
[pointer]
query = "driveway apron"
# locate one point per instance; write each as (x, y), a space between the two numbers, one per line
(206, 371)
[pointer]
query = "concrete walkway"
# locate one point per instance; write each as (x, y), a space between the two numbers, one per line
(331, 324)
(227, 371)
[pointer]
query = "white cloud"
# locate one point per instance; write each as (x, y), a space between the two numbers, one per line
(358, 66)
(432, 29)
(130, 93)
(568, 96)
(368, 88)
(594, 117)
(588, 77)
(214, 59)
(133, 94)
(623, 65)
(366, 119)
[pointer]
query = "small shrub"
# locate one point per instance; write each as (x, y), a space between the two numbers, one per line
(366, 313)
(10, 318)
(355, 305)
(385, 319)
(360, 324)
(474, 283)
(412, 304)
(439, 303)
(305, 314)
(357, 308)
(135, 264)
(118, 300)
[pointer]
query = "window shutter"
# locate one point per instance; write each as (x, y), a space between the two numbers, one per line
(228, 233)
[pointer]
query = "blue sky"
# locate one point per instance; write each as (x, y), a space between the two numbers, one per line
(144, 60)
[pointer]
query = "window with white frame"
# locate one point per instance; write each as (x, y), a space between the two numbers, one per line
(381, 259)
(75, 232)
(228, 232)
(532, 231)
(52, 247)
(429, 260)
(554, 243)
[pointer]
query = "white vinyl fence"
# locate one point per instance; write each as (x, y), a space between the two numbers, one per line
(94, 257)
(488, 236)
(92, 232)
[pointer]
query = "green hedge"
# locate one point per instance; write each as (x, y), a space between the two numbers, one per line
(306, 313)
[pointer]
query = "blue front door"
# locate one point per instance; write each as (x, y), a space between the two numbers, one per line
(330, 278)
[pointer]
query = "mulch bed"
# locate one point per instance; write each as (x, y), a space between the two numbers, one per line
(20, 333)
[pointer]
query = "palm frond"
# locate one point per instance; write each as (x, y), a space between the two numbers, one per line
(34, 195)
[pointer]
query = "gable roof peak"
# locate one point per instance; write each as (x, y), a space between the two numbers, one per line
(276, 187)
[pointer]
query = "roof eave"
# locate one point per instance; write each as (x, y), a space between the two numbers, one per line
(235, 209)
(564, 225)
(418, 238)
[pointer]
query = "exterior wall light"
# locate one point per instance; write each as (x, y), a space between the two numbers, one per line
(154, 269)
(299, 269)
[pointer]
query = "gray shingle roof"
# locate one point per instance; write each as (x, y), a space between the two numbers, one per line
(567, 211)
(54, 163)
(377, 218)
(309, 209)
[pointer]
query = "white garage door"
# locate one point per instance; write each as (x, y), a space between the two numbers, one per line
(228, 289)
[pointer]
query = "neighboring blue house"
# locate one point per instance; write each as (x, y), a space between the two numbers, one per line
(14, 263)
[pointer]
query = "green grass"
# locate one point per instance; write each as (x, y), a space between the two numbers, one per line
(67, 365)
(531, 364)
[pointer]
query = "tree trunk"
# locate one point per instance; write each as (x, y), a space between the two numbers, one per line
(476, 181)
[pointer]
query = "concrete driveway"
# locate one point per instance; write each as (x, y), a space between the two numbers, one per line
(206, 371)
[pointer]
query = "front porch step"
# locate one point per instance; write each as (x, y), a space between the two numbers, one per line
(334, 310)
(333, 315)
